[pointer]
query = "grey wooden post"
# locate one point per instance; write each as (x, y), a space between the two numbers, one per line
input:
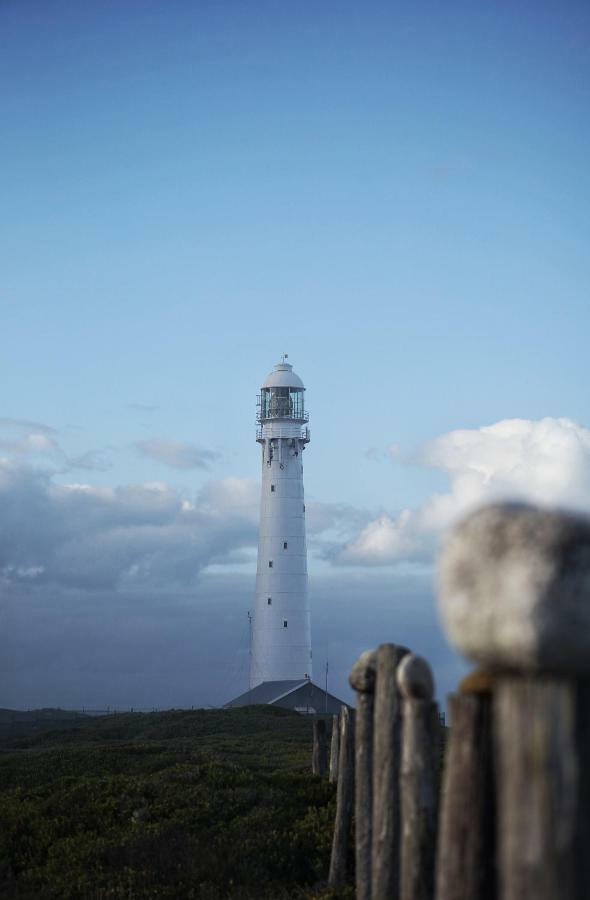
(362, 680)
(344, 798)
(465, 867)
(319, 762)
(418, 779)
(386, 754)
(582, 863)
(515, 596)
(334, 749)
(538, 781)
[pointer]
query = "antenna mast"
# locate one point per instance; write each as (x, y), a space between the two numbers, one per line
(250, 649)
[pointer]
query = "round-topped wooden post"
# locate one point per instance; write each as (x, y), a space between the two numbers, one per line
(418, 788)
(385, 840)
(466, 842)
(344, 801)
(362, 680)
(515, 598)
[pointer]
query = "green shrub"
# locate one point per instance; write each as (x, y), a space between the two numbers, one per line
(204, 804)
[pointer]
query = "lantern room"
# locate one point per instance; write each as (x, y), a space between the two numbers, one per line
(281, 396)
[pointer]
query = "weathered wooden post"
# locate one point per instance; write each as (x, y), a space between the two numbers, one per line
(515, 597)
(386, 758)
(418, 778)
(466, 867)
(334, 749)
(362, 680)
(319, 761)
(344, 799)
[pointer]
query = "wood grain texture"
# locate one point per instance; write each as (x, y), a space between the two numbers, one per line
(418, 778)
(344, 802)
(583, 817)
(334, 749)
(386, 761)
(465, 868)
(362, 680)
(538, 776)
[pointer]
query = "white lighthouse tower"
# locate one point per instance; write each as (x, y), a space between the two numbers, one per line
(281, 639)
(280, 648)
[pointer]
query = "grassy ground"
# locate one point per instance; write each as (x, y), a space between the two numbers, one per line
(202, 804)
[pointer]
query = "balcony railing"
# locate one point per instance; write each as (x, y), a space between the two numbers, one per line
(291, 416)
(304, 436)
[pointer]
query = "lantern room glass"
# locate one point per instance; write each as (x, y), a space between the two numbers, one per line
(282, 403)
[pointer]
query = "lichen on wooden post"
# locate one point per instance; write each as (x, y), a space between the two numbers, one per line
(362, 680)
(418, 779)
(386, 759)
(344, 801)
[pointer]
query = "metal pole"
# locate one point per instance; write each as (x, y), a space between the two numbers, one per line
(249, 654)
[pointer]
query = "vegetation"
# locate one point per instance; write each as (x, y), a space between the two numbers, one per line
(205, 804)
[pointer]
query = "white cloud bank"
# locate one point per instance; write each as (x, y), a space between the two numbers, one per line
(119, 595)
(98, 537)
(112, 538)
(545, 461)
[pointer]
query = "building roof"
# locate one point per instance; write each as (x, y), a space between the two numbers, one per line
(283, 376)
(301, 696)
(267, 692)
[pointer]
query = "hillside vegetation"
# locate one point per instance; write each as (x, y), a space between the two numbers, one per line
(200, 804)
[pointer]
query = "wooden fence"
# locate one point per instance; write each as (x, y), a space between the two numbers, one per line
(508, 818)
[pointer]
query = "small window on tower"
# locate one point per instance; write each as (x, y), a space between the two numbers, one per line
(272, 488)
(284, 623)
(270, 564)
(284, 545)
(269, 601)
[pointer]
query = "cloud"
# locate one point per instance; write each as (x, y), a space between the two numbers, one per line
(545, 462)
(92, 460)
(22, 439)
(89, 537)
(382, 541)
(337, 519)
(36, 444)
(176, 454)
(109, 597)
(376, 454)
(26, 425)
(83, 535)
(143, 407)
(124, 594)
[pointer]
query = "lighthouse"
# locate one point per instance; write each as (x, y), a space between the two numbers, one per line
(281, 639)
(280, 645)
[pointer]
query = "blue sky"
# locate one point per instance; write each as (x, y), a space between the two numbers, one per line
(397, 195)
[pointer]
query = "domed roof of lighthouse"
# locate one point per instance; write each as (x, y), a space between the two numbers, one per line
(283, 376)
